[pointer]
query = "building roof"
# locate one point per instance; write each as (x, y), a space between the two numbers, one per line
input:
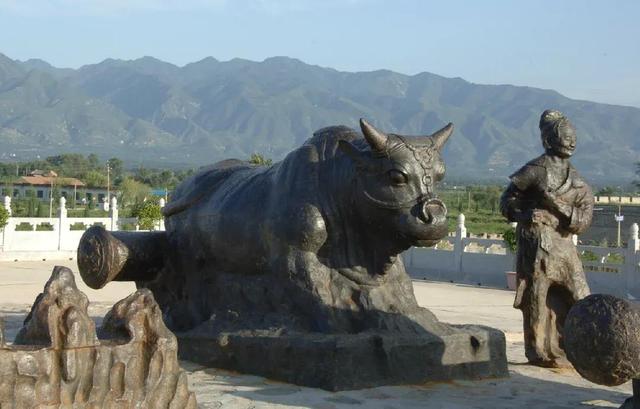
(37, 180)
(38, 172)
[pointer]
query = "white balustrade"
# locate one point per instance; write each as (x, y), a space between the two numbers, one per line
(61, 236)
(481, 260)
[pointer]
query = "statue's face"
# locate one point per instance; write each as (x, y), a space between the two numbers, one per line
(398, 193)
(563, 142)
(395, 190)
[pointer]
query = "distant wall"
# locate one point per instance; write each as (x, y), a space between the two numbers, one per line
(617, 200)
(604, 225)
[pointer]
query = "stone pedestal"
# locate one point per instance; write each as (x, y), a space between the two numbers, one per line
(352, 361)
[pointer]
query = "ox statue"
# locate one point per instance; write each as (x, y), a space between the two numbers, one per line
(268, 260)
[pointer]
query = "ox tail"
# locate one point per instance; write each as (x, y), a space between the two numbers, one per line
(120, 256)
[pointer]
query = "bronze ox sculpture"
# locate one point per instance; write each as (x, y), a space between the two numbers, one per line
(293, 270)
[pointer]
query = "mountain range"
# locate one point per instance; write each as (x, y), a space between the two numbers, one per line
(153, 113)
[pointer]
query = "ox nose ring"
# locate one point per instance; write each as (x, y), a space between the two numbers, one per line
(434, 211)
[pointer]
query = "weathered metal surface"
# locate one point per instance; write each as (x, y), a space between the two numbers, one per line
(309, 248)
(602, 341)
(120, 256)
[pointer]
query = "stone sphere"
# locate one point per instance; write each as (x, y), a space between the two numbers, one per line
(602, 339)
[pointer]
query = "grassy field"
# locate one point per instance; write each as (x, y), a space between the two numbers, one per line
(480, 206)
(482, 221)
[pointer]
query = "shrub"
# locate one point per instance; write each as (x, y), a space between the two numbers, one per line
(260, 160)
(4, 217)
(589, 256)
(148, 214)
(78, 226)
(44, 227)
(510, 239)
(24, 226)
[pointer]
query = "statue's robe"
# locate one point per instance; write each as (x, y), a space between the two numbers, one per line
(549, 270)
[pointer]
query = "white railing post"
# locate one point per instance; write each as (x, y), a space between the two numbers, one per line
(162, 203)
(632, 258)
(113, 213)
(7, 204)
(458, 244)
(634, 243)
(62, 223)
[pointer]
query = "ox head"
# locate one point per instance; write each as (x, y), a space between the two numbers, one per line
(395, 185)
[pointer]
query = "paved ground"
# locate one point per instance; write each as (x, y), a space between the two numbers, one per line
(527, 387)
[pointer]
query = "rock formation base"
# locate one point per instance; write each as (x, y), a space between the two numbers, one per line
(59, 360)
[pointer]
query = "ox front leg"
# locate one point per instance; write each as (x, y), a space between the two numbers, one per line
(317, 295)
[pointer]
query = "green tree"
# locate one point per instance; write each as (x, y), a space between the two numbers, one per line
(95, 178)
(510, 238)
(148, 214)
(133, 192)
(260, 160)
(4, 217)
(637, 182)
(606, 191)
(66, 164)
(93, 161)
(117, 167)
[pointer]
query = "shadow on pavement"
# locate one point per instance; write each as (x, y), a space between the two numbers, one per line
(217, 388)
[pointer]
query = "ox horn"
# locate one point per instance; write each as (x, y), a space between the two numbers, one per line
(376, 139)
(440, 137)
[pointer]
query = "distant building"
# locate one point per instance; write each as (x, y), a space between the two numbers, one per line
(160, 192)
(40, 184)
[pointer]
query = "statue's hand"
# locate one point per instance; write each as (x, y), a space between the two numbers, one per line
(550, 199)
(542, 216)
(554, 203)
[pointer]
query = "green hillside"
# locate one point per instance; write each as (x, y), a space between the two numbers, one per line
(149, 111)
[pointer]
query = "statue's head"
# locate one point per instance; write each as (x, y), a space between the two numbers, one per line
(395, 188)
(557, 133)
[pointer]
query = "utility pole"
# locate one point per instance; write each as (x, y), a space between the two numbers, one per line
(108, 182)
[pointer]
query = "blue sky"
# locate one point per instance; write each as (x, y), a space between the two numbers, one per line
(584, 49)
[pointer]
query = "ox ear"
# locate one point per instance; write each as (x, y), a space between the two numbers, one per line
(440, 137)
(355, 154)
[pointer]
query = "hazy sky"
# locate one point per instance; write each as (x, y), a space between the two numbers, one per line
(584, 49)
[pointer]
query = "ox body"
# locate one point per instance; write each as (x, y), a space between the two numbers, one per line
(290, 269)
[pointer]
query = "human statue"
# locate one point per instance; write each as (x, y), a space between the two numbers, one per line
(550, 202)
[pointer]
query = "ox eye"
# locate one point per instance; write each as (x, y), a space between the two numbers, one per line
(397, 178)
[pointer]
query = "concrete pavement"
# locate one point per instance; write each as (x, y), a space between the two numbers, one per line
(527, 387)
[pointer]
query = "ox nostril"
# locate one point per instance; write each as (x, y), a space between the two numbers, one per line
(433, 211)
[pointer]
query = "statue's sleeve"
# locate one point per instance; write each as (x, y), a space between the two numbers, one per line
(582, 211)
(527, 177)
(512, 203)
